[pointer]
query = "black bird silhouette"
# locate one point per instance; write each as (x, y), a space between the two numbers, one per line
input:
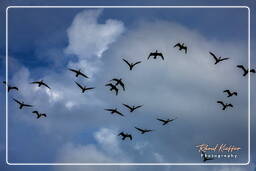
(119, 82)
(39, 115)
(245, 70)
(230, 93)
(218, 59)
(112, 87)
(22, 104)
(155, 55)
(113, 111)
(40, 83)
(131, 65)
(78, 72)
(84, 88)
(181, 47)
(166, 121)
(125, 135)
(224, 106)
(205, 158)
(11, 87)
(132, 108)
(143, 131)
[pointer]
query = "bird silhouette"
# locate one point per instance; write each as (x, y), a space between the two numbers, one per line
(39, 115)
(246, 70)
(112, 87)
(218, 59)
(143, 131)
(166, 121)
(181, 47)
(125, 135)
(40, 83)
(84, 88)
(22, 104)
(205, 158)
(78, 72)
(155, 55)
(10, 87)
(230, 93)
(224, 106)
(131, 65)
(132, 108)
(119, 82)
(113, 111)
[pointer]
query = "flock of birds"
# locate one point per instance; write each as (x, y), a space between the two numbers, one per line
(117, 83)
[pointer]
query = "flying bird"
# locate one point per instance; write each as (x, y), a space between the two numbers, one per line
(78, 72)
(84, 88)
(181, 47)
(155, 55)
(40, 83)
(245, 70)
(205, 158)
(125, 135)
(112, 87)
(166, 121)
(131, 65)
(119, 82)
(10, 87)
(217, 59)
(132, 108)
(224, 106)
(230, 93)
(22, 104)
(39, 115)
(113, 111)
(143, 131)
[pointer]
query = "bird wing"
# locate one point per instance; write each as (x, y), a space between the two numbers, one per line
(46, 85)
(126, 62)
(150, 55)
(161, 55)
(136, 63)
(79, 85)
(17, 101)
(35, 82)
(127, 106)
(213, 56)
(15, 88)
(36, 112)
(130, 136)
(121, 133)
(161, 120)
(252, 70)
(43, 114)
(119, 113)
(27, 105)
(141, 130)
(242, 67)
(220, 102)
(122, 85)
(224, 59)
(186, 49)
(138, 106)
(73, 70)
(109, 110)
(227, 91)
(90, 88)
(230, 105)
(109, 84)
(84, 75)
(178, 44)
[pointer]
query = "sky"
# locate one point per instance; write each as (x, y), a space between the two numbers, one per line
(44, 43)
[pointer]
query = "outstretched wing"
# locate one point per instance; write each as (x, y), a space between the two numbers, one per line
(90, 88)
(141, 130)
(36, 112)
(227, 91)
(109, 110)
(186, 49)
(84, 75)
(138, 106)
(126, 62)
(127, 106)
(223, 59)
(43, 114)
(221, 102)
(161, 55)
(17, 101)
(79, 85)
(27, 105)
(35, 82)
(119, 113)
(213, 55)
(73, 70)
(242, 67)
(151, 54)
(122, 85)
(136, 63)
(161, 120)
(178, 44)
(15, 88)
(46, 85)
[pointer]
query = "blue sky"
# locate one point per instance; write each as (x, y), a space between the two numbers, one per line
(43, 43)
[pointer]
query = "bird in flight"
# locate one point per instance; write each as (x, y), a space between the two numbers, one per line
(113, 111)
(155, 55)
(78, 72)
(40, 83)
(10, 87)
(112, 87)
(217, 59)
(132, 108)
(230, 93)
(143, 131)
(166, 121)
(181, 47)
(224, 106)
(84, 88)
(39, 115)
(245, 70)
(205, 158)
(119, 82)
(131, 65)
(125, 135)
(22, 104)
